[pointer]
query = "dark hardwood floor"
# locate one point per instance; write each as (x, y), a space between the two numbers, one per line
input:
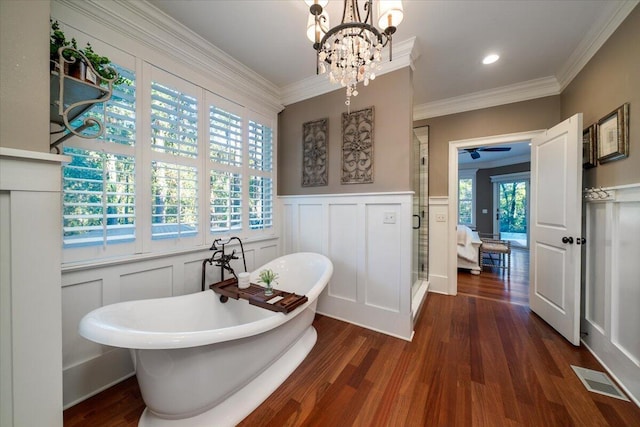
(496, 284)
(472, 362)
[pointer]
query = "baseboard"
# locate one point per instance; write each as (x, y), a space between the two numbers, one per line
(89, 378)
(634, 399)
(419, 298)
(391, 334)
(439, 284)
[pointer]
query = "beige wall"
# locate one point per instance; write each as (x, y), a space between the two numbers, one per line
(611, 78)
(24, 74)
(540, 113)
(391, 95)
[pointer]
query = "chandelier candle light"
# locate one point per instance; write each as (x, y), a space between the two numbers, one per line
(351, 52)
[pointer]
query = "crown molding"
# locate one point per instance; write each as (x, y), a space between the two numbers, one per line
(594, 40)
(524, 91)
(404, 55)
(155, 30)
(537, 88)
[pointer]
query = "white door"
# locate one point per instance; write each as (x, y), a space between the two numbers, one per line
(556, 215)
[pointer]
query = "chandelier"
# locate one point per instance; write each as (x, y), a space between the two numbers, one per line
(351, 52)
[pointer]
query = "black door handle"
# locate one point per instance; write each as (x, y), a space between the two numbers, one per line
(567, 239)
(419, 222)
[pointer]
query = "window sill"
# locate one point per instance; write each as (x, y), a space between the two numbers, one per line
(129, 259)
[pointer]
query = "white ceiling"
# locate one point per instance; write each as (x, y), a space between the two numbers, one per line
(520, 152)
(541, 40)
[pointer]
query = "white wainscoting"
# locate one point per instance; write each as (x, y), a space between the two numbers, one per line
(371, 283)
(30, 220)
(611, 286)
(88, 367)
(439, 245)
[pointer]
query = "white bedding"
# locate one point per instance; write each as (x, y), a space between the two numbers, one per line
(468, 249)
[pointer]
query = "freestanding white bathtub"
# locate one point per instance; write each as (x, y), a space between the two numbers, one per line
(200, 362)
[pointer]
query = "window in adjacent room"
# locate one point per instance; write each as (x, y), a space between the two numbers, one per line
(466, 197)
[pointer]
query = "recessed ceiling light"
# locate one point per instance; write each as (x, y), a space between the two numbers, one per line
(490, 59)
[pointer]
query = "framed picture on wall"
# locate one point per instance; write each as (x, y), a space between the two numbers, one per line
(315, 139)
(613, 135)
(357, 147)
(589, 148)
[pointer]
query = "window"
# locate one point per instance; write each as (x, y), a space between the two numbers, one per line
(226, 154)
(174, 121)
(466, 197)
(261, 182)
(174, 168)
(98, 203)
(226, 202)
(182, 169)
(174, 205)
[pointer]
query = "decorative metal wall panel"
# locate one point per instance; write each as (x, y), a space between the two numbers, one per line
(315, 137)
(357, 147)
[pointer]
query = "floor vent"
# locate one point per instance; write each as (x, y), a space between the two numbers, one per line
(598, 382)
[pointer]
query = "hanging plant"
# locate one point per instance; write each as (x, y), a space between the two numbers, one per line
(101, 65)
(78, 57)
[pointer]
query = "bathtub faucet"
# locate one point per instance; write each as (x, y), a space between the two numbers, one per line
(224, 262)
(221, 259)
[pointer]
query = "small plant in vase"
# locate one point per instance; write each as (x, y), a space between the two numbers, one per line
(267, 277)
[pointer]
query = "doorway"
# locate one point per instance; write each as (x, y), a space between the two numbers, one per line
(455, 147)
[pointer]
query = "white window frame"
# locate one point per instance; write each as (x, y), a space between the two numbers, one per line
(121, 249)
(231, 107)
(511, 177)
(265, 121)
(144, 155)
(149, 155)
(468, 174)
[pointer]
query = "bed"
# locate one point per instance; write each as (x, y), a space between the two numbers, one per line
(468, 249)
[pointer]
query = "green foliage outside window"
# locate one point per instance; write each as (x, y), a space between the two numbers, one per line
(513, 207)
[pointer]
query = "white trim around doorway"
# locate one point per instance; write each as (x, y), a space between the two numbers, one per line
(454, 146)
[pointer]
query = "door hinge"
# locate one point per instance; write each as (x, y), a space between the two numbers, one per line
(422, 267)
(422, 161)
(422, 213)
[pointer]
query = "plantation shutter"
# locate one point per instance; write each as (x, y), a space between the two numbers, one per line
(98, 186)
(225, 130)
(226, 155)
(260, 145)
(174, 205)
(226, 202)
(98, 202)
(174, 164)
(174, 121)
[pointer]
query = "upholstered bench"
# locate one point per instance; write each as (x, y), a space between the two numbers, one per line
(498, 252)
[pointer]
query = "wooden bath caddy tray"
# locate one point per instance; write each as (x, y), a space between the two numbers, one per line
(255, 295)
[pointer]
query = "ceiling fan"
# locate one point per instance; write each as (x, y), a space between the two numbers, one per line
(474, 152)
